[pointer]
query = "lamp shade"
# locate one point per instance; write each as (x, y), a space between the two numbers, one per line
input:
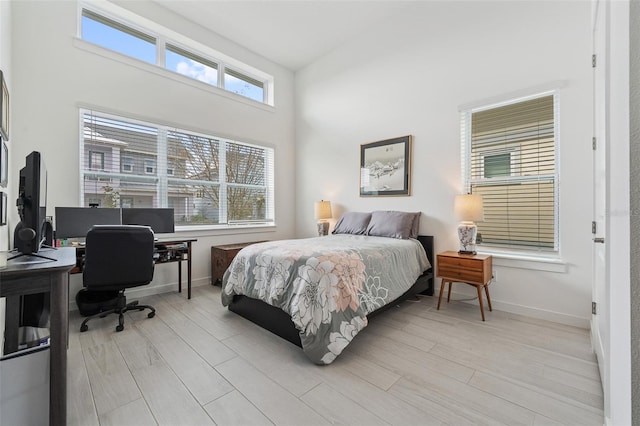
(323, 209)
(468, 208)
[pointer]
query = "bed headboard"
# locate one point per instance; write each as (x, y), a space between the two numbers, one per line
(427, 243)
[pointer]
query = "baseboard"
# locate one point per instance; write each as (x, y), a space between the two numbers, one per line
(150, 290)
(529, 311)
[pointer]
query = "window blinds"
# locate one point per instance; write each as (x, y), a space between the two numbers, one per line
(512, 164)
(205, 179)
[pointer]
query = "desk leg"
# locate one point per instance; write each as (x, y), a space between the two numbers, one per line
(179, 276)
(189, 270)
(59, 322)
(12, 324)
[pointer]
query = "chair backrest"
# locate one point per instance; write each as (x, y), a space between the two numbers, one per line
(118, 257)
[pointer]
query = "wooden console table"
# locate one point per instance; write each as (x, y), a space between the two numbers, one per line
(27, 275)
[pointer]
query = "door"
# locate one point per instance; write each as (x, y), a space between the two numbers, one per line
(599, 320)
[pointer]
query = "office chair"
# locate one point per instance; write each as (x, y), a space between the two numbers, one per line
(118, 257)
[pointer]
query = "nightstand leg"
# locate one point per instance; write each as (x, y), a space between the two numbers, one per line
(449, 293)
(486, 290)
(441, 291)
(480, 301)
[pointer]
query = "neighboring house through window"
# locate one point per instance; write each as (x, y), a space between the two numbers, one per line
(207, 180)
(509, 157)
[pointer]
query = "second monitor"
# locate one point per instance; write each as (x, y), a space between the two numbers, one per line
(161, 220)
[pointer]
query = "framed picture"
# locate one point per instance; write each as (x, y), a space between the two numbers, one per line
(3, 208)
(4, 108)
(4, 163)
(385, 167)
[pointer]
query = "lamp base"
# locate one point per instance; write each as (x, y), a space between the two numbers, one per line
(467, 232)
(467, 252)
(323, 229)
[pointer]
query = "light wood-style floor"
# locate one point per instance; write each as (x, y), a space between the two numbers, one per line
(196, 363)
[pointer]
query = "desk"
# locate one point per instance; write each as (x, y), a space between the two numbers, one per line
(21, 277)
(167, 251)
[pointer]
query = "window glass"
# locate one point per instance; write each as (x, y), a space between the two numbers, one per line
(115, 36)
(207, 180)
(511, 163)
(122, 37)
(191, 65)
(243, 85)
(497, 165)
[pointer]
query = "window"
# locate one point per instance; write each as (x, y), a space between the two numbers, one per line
(509, 157)
(123, 36)
(96, 160)
(207, 180)
(116, 36)
(194, 66)
(149, 167)
(127, 164)
(243, 85)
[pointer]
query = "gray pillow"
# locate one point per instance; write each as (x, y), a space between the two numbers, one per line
(391, 224)
(352, 223)
(415, 228)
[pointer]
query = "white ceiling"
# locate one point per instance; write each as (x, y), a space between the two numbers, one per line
(291, 33)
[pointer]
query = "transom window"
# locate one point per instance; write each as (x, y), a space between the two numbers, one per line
(207, 180)
(127, 38)
(509, 157)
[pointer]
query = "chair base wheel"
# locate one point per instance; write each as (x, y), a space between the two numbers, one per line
(83, 328)
(119, 327)
(151, 314)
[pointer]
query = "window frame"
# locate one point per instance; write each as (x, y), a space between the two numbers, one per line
(165, 38)
(100, 168)
(466, 113)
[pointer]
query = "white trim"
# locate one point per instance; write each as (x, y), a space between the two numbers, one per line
(514, 97)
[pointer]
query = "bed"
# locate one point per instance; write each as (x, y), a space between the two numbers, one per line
(318, 293)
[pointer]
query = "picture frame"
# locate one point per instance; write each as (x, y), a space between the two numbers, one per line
(4, 108)
(4, 163)
(385, 167)
(3, 208)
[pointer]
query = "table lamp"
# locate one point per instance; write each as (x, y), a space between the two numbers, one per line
(323, 212)
(468, 209)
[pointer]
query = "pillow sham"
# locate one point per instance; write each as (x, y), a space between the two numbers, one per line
(415, 228)
(352, 223)
(392, 224)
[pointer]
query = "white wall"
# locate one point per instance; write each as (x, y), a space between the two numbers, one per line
(53, 77)
(409, 75)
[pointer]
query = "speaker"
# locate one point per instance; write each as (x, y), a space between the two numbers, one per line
(48, 233)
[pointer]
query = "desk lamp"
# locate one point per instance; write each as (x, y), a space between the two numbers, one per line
(323, 212)
(468, 209)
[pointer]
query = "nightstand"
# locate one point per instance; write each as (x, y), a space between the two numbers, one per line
(221, 258)
(471, 269)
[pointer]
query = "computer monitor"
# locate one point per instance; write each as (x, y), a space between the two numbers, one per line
(75, 222)
(32, 205)
(161, 220)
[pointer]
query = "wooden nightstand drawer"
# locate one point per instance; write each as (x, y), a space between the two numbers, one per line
(449, 262)
(460, 274)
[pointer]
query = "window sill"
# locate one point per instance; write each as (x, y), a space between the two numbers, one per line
(215, 230)
(522, 261)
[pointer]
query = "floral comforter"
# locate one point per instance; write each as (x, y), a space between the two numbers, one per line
(327, 285)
